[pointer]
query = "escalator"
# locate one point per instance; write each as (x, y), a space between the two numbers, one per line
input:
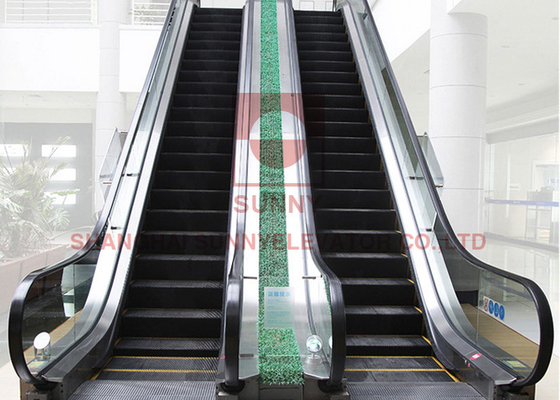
(170, 327)
(357, 225)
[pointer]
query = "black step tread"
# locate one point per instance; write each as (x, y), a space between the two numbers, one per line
(336, 114)
(206, 44)
(220, 18)
(181, 144)
(354, 218)
(392, 363)
(168, 179)
(409, 376)
(407, 391)
(200, 129)
(328, 36)
(302, 26)
(161, 390)
(383, 310)
(317, 55)
(178, 266)
(338, 129)
(214, 65)
(362, 345)
(215, 35)
(317, 13)
(358, 198)
(215, 26)
(323, 45)
(318, 19)
(400, 282)
(324, 100)
(179, 161)
(163, 363)
(197, 199)
(211, 55)
(332, 88)
(183, 347)
(219, 11)
(324, 65)
(177, 284)
(206, 87)
(207, 75)
(349, 179)
(159, 313)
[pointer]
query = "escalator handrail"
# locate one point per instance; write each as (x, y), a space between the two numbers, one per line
(539, 298)
(15, 318)
(337, 305)
(233, 291)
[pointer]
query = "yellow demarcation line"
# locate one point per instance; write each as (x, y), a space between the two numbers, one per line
(94, 377)
(448, 373)
(427, 340)
(173, 371)
(419, 310)
(410, 280)
(167, 358)
(389, 357)
(395, 369)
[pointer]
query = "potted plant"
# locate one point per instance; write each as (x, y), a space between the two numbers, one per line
(29, 216)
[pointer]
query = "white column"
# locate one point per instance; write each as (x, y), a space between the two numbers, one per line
(458, 55)
(111, 103)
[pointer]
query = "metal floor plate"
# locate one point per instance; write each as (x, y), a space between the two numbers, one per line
(147, 390)
(409, 391)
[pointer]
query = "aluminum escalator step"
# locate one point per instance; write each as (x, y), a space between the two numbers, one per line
(182, 267)
(191, 294)
(378, 292)
(167, 347)
(350, 161)
(388, 346)
(208, 75)
(357, 198)
(383, 320)
(147, 368)
(190, 220)
(184, 161)
(190, 144)
(197, 199)
(367, 265)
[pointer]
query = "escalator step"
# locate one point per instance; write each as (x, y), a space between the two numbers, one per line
(208, 76)
(175, 294)
(402, 369)
(348, 179)
(355, 218)
(187, 144)
(377, 292)
(219, 11)
(192, 180)
(325, 56)
(215, 26)
(332, 88)
(206, 88)
(177, 242)
(383, 320)
(195, 199)
(219, 18)
(232, 45)
(356, 198)
(388, 346)
(346, 161)
(336, 114)
(160, 368)
(318, 144)
(204, 100)
(305, 18)
(333, 101)
(211, 55)
(186, 220)
(199, 128)
(168, 347)
(330, 37)
(299, 13)
(172, 266)
(367, 265)
(195, 161)
(195, 114)
(309, 45)
(215, 35)
(306, 27)
(173, 323)
(350, 129)
(210, 65)
(359, 241)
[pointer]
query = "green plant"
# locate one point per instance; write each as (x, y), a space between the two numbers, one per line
(28, 215)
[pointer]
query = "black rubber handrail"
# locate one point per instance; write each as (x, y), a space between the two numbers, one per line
(15, 318)
(539, 298)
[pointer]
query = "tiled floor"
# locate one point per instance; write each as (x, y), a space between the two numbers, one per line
(538, 265)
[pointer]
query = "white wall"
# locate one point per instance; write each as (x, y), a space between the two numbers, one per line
(401, 23)
(137, 46)
(51, 59)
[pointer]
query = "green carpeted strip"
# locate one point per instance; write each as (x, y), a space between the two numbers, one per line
(279, 358)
